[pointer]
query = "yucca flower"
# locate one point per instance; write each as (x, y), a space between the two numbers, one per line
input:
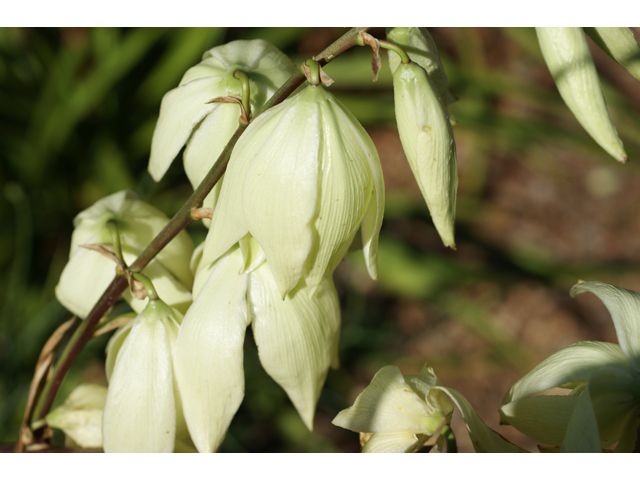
(403, 412)
(302, 180)
(427, 140)
(143, 411)
(88, 273)
(604, 378)
(297, 341)
(187, 117)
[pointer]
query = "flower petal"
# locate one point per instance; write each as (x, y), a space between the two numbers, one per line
(615, 397)
(209, 353)
(80, 416)
(84, 278)
(388, 404)
(181, 110)
(394, 442)
(574, 363)
(139, 413)
(113, 347)
(484, 439)
(296, 337)
(582, 431)
(624, 307)
(281, 184)
(346, 185)
(544, 418)
(629, 436)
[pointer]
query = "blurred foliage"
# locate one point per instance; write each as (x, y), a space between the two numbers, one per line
(77, 111)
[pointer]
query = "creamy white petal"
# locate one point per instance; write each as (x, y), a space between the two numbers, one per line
(83, 281)
(388, 404)
(624, 307)
(181, 110)
(484, 439)
(296, 337)
(574, 363)
(394, 442)
(113, 347)
(544, 418)
(252, 253)
(139, 413)
(582, 431)
(345, 186)
(209, 353)
(372, 219)
(206, 144)
(80, 416)
(281, 185)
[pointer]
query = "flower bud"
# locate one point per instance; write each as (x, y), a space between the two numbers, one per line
(567, 55)
(88, 273)
(421, 48)
(186, 116)
(620, 44)
(428, 143)
(302, 179)
(80, 416)
(143, 411)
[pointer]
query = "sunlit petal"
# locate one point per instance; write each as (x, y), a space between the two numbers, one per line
(394, 442)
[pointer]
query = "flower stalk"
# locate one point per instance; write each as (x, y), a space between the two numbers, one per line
(181, 219)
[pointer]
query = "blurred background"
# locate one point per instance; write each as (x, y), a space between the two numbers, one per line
(540, 205)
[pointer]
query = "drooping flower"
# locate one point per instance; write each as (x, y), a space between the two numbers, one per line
(88, 273)
(80, 416)
(403, 412)
(604, 379)
(427, 140)
(187, 117)
(302, 179)
(297, 341)
(143, 408)
(567, 55)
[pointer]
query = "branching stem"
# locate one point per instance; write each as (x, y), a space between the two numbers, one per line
(181, 219)
(404, 58)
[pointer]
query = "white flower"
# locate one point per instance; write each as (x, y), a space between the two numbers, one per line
(603, 407)
(297, 341)
(143, 411)
(187, 117)
(302, 179)
(402, 412)
(428, 143)
(88, 273)
(80, 416)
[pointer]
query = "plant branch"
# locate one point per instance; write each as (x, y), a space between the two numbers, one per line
(181, 219)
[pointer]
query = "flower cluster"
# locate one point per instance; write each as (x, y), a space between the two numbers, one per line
(304, 183)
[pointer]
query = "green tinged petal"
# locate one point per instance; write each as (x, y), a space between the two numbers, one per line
(575, 363)
(629, 436)
(620, 44)
(388, 404)
(209, 355)
(484, 439)
(140, 412)
(582, 431)
(394, 442)
(624, 307)
(567, 55)
(543, 418)
(615, 397)
(296, 337)
(427, 140)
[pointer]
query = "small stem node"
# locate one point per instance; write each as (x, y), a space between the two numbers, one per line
(148, 286)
